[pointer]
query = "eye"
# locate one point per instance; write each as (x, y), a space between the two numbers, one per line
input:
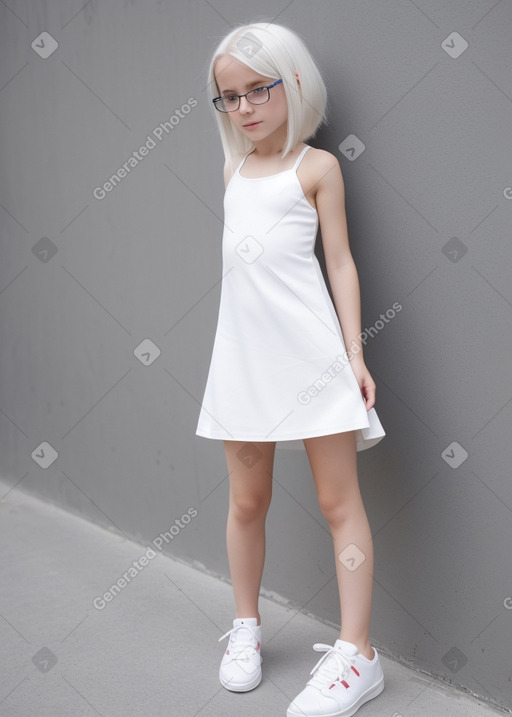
(230, 98)
(259, 90)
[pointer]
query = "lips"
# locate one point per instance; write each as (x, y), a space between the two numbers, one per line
(252, 124)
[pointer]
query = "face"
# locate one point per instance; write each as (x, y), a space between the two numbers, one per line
(256, 122)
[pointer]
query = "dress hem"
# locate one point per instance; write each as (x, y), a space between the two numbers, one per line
(313, 434)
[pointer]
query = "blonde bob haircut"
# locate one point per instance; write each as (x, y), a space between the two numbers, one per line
(272, 51)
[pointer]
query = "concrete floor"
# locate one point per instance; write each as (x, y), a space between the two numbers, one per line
(152, 650)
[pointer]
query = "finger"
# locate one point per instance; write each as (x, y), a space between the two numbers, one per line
(369, 394)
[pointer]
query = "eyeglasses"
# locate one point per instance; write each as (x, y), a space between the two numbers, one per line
(259, 96)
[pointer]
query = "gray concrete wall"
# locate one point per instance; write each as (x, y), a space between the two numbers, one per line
(108, 303)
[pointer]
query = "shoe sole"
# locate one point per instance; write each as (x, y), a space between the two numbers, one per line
(366, 697)
(241, 688)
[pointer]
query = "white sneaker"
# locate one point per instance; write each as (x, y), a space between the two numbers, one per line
(240, 669)
(342, 681)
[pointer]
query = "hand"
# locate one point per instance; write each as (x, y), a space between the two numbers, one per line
(365, 381)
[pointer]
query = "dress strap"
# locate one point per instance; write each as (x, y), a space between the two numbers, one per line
(299, 158)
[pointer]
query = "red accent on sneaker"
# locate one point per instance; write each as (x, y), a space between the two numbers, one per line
(227, 652)
(332, 686)
(258, 646)
(345, 684)
(357, 673)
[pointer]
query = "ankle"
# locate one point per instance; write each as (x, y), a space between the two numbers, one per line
(364, 647)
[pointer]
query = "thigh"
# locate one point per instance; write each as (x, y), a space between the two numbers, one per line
(250, 467)
(333, 461)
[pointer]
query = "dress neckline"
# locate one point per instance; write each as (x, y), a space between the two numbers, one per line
(270, 176)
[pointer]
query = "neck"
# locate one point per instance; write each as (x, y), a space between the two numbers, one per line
(273, 145)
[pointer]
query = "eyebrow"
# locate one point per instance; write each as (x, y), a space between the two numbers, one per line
(247, 86)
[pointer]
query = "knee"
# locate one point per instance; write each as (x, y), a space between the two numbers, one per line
(335, 508)
(248, 508)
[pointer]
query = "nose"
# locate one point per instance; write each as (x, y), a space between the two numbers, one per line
(245, 106)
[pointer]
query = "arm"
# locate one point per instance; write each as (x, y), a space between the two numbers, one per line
(341, 269)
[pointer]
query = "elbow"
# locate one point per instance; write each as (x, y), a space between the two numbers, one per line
(341, 264)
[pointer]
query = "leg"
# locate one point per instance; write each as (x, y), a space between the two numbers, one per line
(250, 467)
(334, 465)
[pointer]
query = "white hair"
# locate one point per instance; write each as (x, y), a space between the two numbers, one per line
(276, 52)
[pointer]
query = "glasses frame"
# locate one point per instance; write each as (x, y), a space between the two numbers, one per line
(218, 100)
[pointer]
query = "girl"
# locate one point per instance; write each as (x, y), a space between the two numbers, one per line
(280, 370)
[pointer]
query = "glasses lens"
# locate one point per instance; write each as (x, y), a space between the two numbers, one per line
(259, 95)
(227, 104)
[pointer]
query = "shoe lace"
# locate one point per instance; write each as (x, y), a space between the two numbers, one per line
(332, 666)
(242, 642)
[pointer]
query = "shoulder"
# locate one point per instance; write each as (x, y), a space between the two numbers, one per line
(320, 175)
(323, 166)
